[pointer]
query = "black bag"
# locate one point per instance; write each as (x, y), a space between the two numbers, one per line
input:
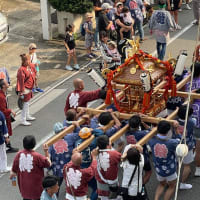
(124, 191)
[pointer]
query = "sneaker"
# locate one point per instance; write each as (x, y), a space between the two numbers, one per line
(25, 123)
(39, 90)
(196, 22)
(30, 118)
(69, 68)
(34, 90)
(197, 172)
(76, 66)
(178, 27)
(94, 55)
(171, 30)
(90, 56)
(96, 48)
(141, 40)
(179, 9)
(4, 171)
(185, 186)
(12, 150)
(188, 7)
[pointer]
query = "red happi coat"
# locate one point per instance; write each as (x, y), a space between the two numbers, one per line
(78, 178)
(29, 167)
(108, 161)
(26, 79)
(6, 111)
(79, 98)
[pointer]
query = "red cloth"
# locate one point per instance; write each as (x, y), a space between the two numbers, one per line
(111, 173)
(30, 173)
(197, 53)
(6, 111)
(81, 177)
(79, 98)
(26, 79)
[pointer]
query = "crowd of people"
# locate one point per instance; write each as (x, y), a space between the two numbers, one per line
(123, 19)
(118, 170)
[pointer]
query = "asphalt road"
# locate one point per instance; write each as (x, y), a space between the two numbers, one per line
(49, 109)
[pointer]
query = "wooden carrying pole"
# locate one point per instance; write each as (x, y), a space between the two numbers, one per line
(152, 120)
(70, 129)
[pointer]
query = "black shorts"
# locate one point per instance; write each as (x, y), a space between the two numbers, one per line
(147, 166)
(176, 3)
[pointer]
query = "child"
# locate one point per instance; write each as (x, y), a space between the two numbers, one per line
(89, 35)
(36, 62)
(128, 21)
(164, 159)
(50, 185)
(3, 137)
(189, 141)
(160, 23)
(113, 52)
(70, 46)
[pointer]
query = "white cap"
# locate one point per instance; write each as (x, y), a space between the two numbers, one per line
(119, 3)
(106, 6)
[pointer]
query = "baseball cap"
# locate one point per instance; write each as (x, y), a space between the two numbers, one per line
(88, 15)
(58, 127)
(106, 6)
(119, 4)
(32, 46)
(85, 133)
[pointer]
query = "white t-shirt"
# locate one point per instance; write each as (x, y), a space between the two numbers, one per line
(33, 58)
(127, 173)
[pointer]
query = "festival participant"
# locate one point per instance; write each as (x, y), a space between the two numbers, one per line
(104, 119)
(197, 54)
(164, 159)
(137, 9)
(29, 166)
(61, 151)
(36, 62)
(132, 166)
(3, 137)
(77, 178)
(25, 83)
(106, 172)
(190, 141)
(51, 187)
(80, 98)
(5, 75)
(84, 134)
(134, 135)
(7, 113)
(160, 24)
(196, 113)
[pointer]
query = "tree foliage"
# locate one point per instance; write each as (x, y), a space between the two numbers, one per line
(72, 6)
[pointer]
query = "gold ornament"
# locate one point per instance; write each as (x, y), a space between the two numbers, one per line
(133, 70)
(105, 72)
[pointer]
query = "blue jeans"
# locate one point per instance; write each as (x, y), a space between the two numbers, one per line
(96, 34)
(93, 185)
(161, 49)
(139, 25)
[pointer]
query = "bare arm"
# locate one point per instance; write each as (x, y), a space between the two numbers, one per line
(118, 22)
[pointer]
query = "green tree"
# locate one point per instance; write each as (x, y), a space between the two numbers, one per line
(72, 6)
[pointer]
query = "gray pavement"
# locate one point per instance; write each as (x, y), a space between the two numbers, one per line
(49, 108)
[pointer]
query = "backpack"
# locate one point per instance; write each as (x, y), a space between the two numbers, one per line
(83, 29)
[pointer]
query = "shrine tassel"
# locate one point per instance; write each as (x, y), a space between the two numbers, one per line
(173, 88)
(146, 101)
